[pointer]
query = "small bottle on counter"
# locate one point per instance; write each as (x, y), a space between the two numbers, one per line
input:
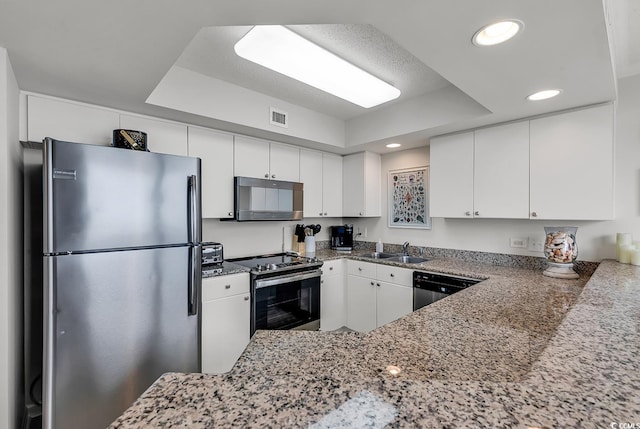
(379, 247)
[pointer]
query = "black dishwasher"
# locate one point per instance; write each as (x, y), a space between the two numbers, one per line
(430, 287)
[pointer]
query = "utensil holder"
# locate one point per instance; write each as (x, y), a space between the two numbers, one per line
(310, 245)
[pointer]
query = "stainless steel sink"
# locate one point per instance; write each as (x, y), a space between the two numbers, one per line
(406, 259)
(380, 255)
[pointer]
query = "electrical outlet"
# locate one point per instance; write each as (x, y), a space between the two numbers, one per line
(518, 242)
(536, 244)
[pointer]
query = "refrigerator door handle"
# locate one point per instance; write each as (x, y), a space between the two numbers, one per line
(194, 210)
(195, 279)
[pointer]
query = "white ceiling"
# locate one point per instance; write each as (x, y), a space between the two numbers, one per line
(115, 53)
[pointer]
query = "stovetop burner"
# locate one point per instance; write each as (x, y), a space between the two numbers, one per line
(277, 263)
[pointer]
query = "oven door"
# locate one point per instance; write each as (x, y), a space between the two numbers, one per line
(290, 301)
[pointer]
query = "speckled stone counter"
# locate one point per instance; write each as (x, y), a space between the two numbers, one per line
(227, 268)
(517, 350)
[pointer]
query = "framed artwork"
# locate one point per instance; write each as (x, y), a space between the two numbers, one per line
(409, 198)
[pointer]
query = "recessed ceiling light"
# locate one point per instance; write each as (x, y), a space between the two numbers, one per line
(498, 32)
(282, 50)
(543, 95)
(392, 145)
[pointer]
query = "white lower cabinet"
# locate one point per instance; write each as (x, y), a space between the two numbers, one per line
(377, 294)
(226, 312)
(333, 309)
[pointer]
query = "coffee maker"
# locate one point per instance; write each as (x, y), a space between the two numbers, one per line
(342, 237)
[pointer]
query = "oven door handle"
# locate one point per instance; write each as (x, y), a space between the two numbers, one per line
(287, 278)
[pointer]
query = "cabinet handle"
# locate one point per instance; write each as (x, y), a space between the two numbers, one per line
(246, 298)
(330, 268)
(359, 269)
(378, 284)
(476, 213)
(467, 213)
(321, 282)
(360, 213)
(371, 283)
(266, 176)
(227, 286)
(230, 214)
(391, 275)
(273, 176)
(325, 213)
(534, 214)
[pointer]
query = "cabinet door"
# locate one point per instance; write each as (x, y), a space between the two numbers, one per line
(501, 172)
(311, 169)
(162, 136)
(353, 185)
(216, 152)
(284, 162)
(225, 332)
(361, 185)
(393, 302)
(451, 176)
(361, 303)
(331, 185)
(572, 165)
(250, 157)
(333, 309)
(69, 121)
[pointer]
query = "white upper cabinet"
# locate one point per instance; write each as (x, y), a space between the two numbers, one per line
(284, 162)
(69, 121)
(361, 185)
(251, 157)
(321, 174)
(572, 165)
(451, 176)
(162, 136)
(501, 172)
(331, 185)
(556, 167)
(312, 178)
(264, 160)
(215, 149)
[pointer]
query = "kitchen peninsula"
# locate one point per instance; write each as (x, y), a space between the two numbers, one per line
(516, 350)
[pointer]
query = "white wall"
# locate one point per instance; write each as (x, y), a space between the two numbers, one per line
(10, 249)
(596, 240)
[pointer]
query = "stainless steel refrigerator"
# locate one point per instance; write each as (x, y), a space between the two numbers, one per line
(121, 278)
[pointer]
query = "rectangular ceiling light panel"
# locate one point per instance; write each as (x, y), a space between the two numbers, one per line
(282, 50)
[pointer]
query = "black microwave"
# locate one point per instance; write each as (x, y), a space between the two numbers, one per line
(264, 199)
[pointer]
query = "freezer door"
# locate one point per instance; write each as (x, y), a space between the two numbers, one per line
(114, 322)
(99, 197)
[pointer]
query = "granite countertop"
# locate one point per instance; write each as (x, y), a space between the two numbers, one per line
(516, 350)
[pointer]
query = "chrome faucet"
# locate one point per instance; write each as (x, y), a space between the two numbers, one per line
(405, 248)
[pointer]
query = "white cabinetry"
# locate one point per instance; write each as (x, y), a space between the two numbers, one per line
(572, 165)
(264, 160)
(501, 172)
(451, 176)
(215, 149)
(69, 121)
(361, 183)
(376, 294)
(226, 312)
(333, 310)
(557, 167)
(162, 136)
(321, 174)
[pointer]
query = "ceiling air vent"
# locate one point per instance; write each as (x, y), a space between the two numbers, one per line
(279, 118)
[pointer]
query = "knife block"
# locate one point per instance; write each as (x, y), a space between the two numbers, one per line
(297, 247)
